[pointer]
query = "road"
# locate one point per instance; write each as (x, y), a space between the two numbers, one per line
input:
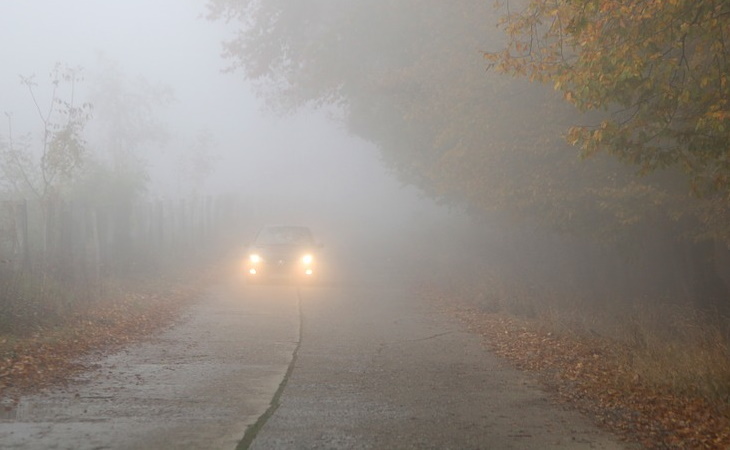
(197, 385)
(346, 365)
(379, 369)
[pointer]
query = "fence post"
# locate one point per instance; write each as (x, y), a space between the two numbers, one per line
(93, 251)
(21, 220)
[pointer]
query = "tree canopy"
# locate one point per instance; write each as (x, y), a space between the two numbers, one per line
(411, 77)
(657, 70)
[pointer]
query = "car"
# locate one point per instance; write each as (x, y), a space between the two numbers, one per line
(282, 252)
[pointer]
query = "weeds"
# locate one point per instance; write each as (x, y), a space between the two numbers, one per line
(657, 375)
(672, 347)
(683, 349)
(29, 303)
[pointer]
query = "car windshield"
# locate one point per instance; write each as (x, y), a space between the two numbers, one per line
(284, 236)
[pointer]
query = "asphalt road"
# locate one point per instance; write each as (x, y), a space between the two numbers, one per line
(379, 369)
(198, 385)
(346, 365)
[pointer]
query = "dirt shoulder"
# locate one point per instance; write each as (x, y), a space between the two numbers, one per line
(50, 357)
(197, 384)
(588, 373)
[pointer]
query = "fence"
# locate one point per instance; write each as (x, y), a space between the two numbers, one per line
(81, 242)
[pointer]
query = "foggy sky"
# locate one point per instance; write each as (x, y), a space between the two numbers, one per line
(300, 163)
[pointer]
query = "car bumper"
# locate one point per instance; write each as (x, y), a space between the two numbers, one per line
(276, 272)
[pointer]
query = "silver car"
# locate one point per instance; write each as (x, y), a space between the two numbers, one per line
(282, 252)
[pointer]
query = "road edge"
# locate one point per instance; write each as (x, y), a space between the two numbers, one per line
(253, 429)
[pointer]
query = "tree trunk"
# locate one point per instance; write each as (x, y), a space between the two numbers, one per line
(709, 291)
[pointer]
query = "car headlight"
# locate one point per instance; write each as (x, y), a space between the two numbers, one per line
(307, 259)
(254, 258)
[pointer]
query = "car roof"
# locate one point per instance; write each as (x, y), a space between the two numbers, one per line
(285, 234)
(286, 226)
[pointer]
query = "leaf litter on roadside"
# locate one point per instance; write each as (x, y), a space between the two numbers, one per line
(590, 374)
(52, 356)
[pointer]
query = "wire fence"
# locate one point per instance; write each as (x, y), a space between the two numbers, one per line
(79, 242)
(56, 258)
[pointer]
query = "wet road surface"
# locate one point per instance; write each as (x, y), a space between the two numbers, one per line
(377, 368)
(197, 385)
(346, 365)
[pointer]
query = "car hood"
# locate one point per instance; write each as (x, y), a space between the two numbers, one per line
(280, 250)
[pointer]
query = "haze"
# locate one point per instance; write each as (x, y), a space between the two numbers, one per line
(301, 167)
(546, 181)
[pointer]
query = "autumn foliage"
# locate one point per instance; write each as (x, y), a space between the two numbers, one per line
(657, 71)
(591, 374)
(588, 138)
(602, 376)
(51, 355)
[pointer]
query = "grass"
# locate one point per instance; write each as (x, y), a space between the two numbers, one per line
(657, 374)
(669, 346)
(37, 350)
(682, 349)
(29, 303)
(672, 347)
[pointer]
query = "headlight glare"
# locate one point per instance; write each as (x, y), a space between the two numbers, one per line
(307, 259)
(254, 258)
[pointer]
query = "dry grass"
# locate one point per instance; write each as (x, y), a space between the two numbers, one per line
(657, 372)
(666, 345)
(682, 349)
(30, 303)
(49, 355)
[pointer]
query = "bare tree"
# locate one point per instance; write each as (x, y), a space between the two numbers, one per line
(42, 169)
(197, 163)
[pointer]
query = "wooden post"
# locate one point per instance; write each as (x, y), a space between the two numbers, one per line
(21, 221)
(92, 252)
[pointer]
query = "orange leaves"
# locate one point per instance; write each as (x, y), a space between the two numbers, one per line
(52, 356)
(658, 66)
(574, 135)
(590, 374)
(604, 378)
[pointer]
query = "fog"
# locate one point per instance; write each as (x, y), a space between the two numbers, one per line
(170, 109)
(561, 165)
(300, 167)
